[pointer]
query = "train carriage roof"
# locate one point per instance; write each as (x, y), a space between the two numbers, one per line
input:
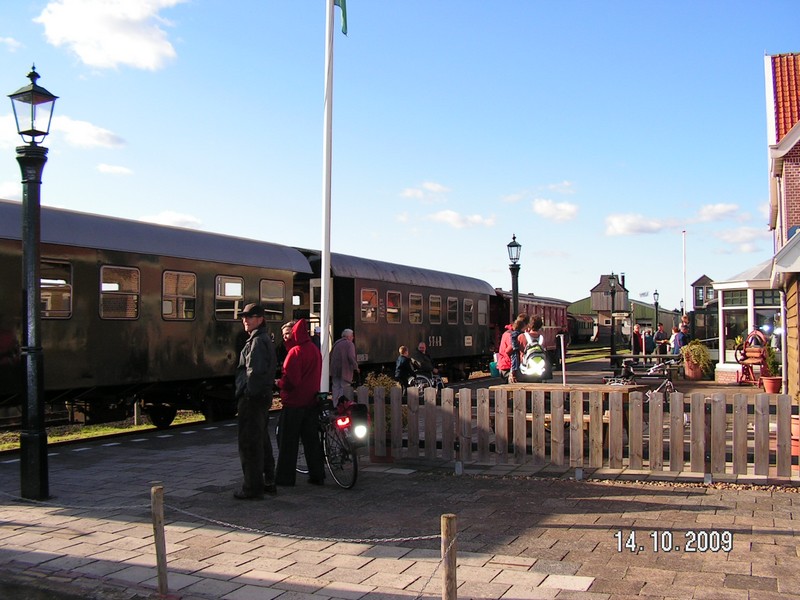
(72, 228)
(343, 265)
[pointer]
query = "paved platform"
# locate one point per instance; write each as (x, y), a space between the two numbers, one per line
(520, 534)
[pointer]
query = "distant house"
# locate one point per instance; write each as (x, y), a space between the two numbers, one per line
(782, 72)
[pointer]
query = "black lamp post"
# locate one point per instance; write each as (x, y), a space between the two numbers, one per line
(33, 111)
(655, 301)
(682, 313)
(612, 284)
(514, 249)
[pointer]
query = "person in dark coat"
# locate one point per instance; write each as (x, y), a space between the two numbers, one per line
(299, 420)
(403, 368)
(255, 376)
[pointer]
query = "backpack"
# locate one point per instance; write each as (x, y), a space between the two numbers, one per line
(535, 364)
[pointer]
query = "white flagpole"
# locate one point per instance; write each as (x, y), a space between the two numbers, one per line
(684, 295)
(325, 268)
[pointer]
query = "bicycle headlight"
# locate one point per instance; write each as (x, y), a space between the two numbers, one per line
(360, 431)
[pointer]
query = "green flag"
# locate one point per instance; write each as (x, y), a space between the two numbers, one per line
(343, 5)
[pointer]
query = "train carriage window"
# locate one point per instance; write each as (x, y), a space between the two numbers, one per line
(178, 295)
(483, 312)
(369, 305)
(452, 311)
(415, 309)
(229, 298)
(469, 315)
(394, 307)
(119, 292)
(435, 310)
(55, 284)
(273, 299)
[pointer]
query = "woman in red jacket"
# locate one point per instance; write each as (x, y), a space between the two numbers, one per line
(299, 420)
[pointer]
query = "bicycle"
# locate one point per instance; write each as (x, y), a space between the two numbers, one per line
(422, 381)
(657, 371)
(341, 432)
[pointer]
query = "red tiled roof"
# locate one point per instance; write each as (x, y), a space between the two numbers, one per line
(786, 81)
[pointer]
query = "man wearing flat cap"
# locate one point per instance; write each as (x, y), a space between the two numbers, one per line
(255, 376)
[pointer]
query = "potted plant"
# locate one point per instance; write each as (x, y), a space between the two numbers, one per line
(697, 359)
(771, 379)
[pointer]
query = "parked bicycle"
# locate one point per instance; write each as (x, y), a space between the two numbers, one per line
(342, 430)
(658, 372)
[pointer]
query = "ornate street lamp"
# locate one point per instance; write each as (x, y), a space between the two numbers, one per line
(514, 249)
(682, 313)
(612, 284)
(33, 111)
(655, 301)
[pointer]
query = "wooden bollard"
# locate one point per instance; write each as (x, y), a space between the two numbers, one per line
(157, 508)
(449, 582)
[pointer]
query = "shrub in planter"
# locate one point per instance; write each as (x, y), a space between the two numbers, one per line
(696, 358)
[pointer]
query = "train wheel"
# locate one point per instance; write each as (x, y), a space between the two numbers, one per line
(162, 415)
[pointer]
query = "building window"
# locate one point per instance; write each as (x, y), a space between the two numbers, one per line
(119, 293)
(55, 285)
(435, 310)
(766, 298)
(369, 305)
(415, 309)
(698, 296)
(178, 295)
(394, 307)
(452, 311)
(273, 298)
(229, 299)
(734, 298)
(469, 315)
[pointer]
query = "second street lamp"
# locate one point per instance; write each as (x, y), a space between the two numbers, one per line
(655, 301)
(514, 250)
(612, 284)
(33, 111)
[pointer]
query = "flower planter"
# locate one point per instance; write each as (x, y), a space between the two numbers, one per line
(772, 385)
(692, 370)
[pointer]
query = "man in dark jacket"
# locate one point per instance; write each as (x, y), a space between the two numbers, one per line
(255, 376)
(299, 420)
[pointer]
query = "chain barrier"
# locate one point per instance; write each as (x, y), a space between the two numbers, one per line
(222, 523)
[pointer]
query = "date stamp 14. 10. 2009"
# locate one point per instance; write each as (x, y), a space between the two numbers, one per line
(665, 540)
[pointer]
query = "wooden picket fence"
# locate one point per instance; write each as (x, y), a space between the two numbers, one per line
(587, 427)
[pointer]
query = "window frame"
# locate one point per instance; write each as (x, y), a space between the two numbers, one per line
(236, 300)
(371, 304)
(452, 310)
(178, 298)
(51, 313)
(271, 313)
(394, 312)
(107, 294)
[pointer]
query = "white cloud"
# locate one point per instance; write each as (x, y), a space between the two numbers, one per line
(403, 217)
(565, 187)
(631, 224)
(412, 193)
(85, 135)
(763, 210)
(106, 34)
(436, 188)
(175, 219)
(11, 190)
(429, 192)
(743, 236)
(11, 44)
(457, 221)
(555, 211)
(9, 138)
(715, 212)
(114, 169)
(513, 198)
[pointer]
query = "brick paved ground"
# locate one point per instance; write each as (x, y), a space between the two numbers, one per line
(520, 536)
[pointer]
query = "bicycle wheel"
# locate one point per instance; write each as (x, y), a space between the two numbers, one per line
(342, 460)
(301, 466)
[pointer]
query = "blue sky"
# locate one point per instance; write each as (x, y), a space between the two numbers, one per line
(595, 131)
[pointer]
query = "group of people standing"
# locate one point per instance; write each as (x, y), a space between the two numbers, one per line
(660, 342)
(300, 374)
(513, 342)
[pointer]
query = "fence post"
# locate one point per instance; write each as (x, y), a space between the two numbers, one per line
(449, 581)
(157, 509)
